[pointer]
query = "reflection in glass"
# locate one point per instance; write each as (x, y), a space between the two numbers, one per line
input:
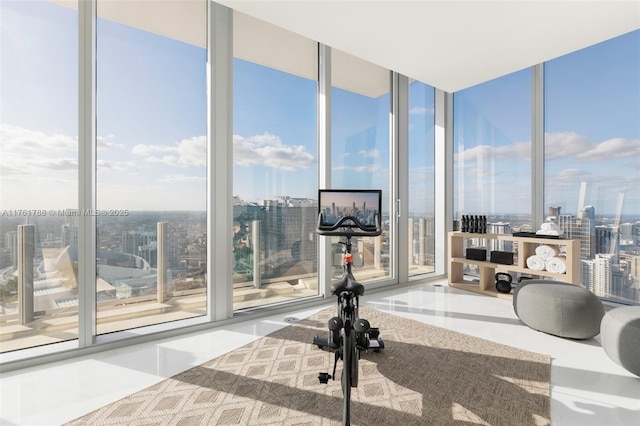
(151, 165)
(421, 179)
(492, 156)
(592, 169)
(492, 152)
(360, 152)
(274, 184)
(39, 180)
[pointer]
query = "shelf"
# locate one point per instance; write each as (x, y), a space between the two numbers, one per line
(524, 246)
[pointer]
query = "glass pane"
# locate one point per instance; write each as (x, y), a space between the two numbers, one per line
(361, 153)
(492, 157)
(492, 152)
(592, 167)
(274, 181)
(151, 163)
(421, 179)
(39, 179)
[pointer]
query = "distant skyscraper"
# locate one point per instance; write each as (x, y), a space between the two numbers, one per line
(133, 240)
(149, 252)
(626, 234)
(11, 244)
(596, 274)
(65, 235)
(500, 228)
(69, 238)
(567, 223)
(583, 228)
(604, 276)
(605, 236)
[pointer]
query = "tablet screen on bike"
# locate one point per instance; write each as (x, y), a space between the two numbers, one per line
(344, 206)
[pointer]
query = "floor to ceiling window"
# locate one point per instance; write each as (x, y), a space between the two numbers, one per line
(492, 157)
(592, 161)
(151, 163)
(361, 151)
(275, 172)
(421, 202)
(39, 179)
(492, 149)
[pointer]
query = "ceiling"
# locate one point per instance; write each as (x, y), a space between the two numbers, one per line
(451, 44)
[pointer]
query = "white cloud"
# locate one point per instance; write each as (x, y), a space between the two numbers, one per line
(372, 153)
(570, 144)
(14, 164)
(17, 138)
(518, 151)
(420, 110)
(105, 143)
(575, 175)
(182, 178)
(270, 151)
(558, 145)
(186, 153)
(565, 144)
(373, 168)
(612, 148)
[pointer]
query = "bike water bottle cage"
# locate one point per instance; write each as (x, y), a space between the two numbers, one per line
(347, 284)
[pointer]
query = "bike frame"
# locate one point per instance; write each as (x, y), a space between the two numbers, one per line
(348, 303)
(348, 333)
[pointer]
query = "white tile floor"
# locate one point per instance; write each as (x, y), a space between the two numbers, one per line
(587, 388)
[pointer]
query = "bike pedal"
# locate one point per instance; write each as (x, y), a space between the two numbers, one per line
(324, 378)
(376, 344)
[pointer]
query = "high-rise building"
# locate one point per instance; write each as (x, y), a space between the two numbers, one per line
(626, 234)
(586, 223)
(133, 240)
(606, 240)
(69, 238)
(500, 228)
(596, 274)
(11, 244)
(581, 228)
(149, 252)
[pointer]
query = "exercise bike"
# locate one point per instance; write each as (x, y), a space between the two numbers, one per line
(349, 335)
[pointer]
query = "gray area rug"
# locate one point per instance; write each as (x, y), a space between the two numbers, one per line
(426, 375)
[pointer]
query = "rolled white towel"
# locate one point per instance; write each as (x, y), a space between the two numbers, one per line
(556, 265)
(535, 263)
(546, 252)
(551, 232)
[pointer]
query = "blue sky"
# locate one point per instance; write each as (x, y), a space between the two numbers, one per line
(152, 125)
(592, 134)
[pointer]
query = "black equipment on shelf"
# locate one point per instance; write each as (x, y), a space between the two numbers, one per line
(476, 254)
(502, 257)
(503, 282)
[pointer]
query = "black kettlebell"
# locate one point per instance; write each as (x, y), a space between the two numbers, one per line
(503, 282)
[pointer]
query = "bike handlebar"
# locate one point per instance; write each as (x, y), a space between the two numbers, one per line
(355, 229)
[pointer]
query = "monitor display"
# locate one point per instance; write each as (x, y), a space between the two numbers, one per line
(341, 207)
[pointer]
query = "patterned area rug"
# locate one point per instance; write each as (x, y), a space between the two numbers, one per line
(426, 375)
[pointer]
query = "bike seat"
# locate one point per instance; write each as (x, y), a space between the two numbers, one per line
(349, 284)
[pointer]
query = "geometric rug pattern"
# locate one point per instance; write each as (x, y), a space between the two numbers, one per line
(425, 375)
